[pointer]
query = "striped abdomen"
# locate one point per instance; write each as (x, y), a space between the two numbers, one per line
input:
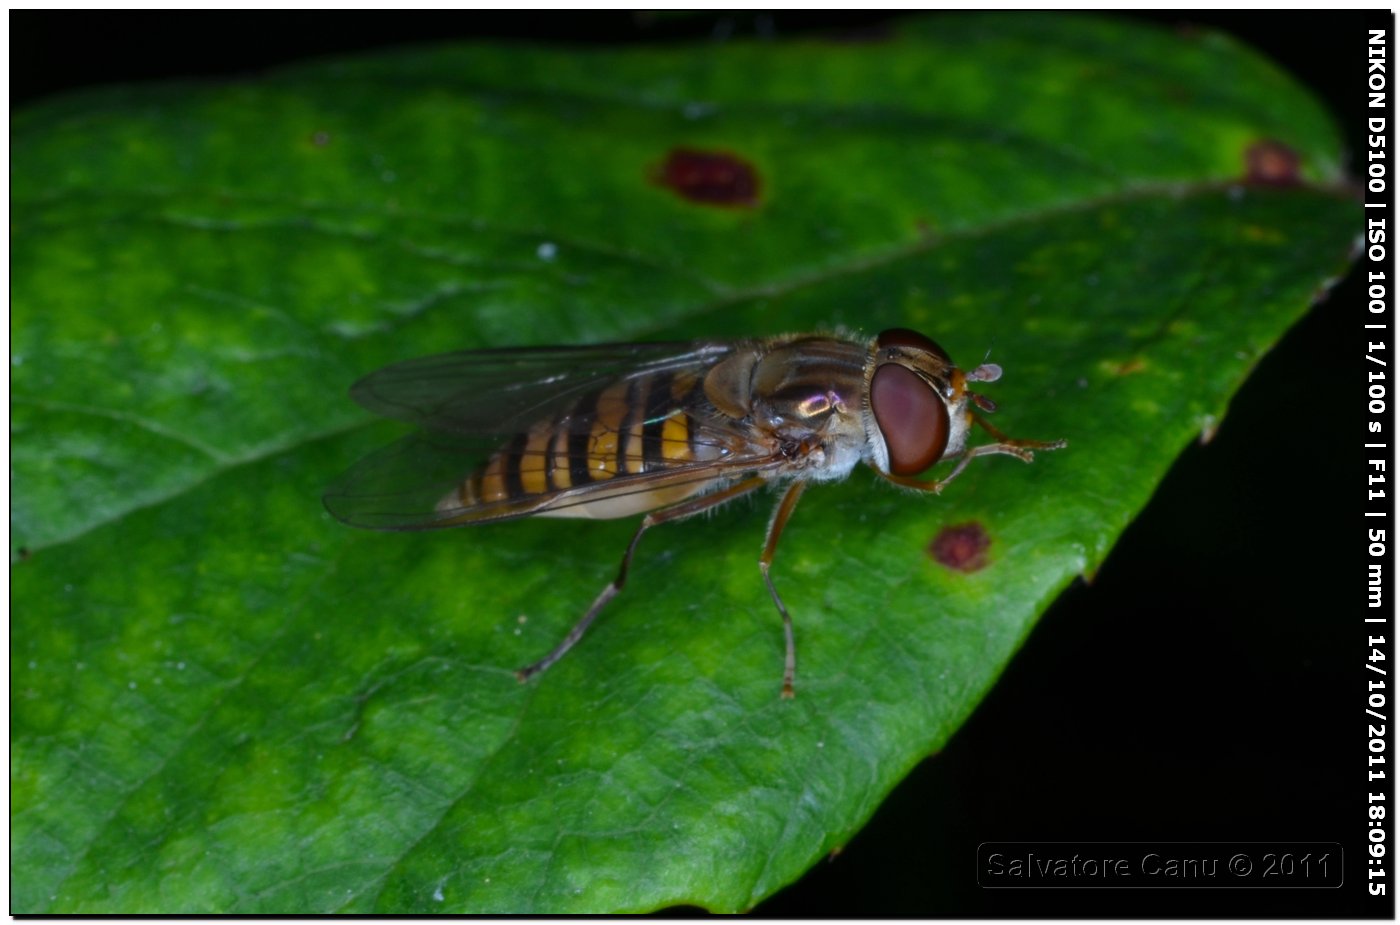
(632, 427)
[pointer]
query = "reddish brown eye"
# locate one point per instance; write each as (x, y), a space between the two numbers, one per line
(911, 417)
(903, 337)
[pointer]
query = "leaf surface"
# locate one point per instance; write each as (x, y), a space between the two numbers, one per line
(224, 701)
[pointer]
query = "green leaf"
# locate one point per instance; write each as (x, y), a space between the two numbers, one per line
(225, 701)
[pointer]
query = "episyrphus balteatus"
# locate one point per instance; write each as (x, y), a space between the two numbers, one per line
(666, 430)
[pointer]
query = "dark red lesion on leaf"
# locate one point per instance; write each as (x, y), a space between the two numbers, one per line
(320, 138)
(962, 547)
(1272, 163)
(715, 178)
(23, 553)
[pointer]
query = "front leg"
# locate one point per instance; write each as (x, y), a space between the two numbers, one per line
(1005, 446)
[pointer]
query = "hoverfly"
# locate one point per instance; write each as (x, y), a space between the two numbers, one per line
(666, 430)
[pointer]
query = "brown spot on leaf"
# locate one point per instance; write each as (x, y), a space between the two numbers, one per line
(320, 139)
(1128, 367)
(1271, 163)
(715, 178)
(962, 547)
(23, 553)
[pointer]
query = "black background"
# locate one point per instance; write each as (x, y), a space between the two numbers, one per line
(1207, 686)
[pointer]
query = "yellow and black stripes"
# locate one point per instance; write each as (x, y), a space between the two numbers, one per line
(585, 426)
(629, 436)
(643, 424)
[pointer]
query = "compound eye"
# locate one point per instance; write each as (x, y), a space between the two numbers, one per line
(911, 417)
(903, 337)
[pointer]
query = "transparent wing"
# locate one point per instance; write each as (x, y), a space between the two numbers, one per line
(474, 404)
(500, 392)
(404, 486)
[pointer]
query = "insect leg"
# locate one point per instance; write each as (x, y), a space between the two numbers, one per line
(775, 530)
(1005, 446)
(675, 512)
(1008, 445)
